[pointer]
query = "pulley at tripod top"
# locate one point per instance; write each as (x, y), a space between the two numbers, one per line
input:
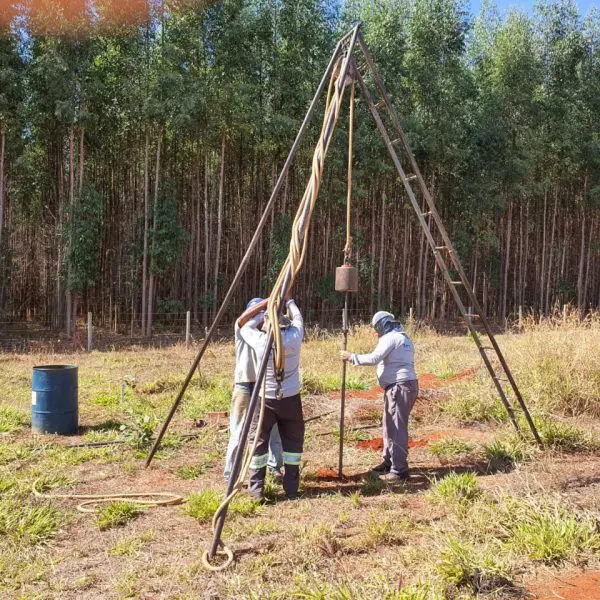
(346, 279)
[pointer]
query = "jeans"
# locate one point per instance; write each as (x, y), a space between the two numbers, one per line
(239, 405)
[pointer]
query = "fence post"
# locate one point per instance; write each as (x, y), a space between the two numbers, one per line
(470, 315)
(188, 322)
(89, 324)
(520, 316)
(565, 308)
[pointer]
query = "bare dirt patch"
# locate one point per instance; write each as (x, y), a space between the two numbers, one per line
(570, 586)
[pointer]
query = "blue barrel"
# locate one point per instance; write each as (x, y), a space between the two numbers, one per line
(54, 406)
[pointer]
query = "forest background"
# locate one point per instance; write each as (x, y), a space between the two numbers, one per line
(140, 140)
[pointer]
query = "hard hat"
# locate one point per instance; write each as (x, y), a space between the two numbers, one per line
(380, 314)
(253, 302)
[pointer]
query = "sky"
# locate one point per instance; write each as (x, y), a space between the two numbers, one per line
(504, 5)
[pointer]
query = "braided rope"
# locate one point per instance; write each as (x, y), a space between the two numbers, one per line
(285, 280)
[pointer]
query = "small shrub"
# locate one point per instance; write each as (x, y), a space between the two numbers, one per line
(371, 485)
(202, 505)
(449, 447)
(138, 430)
(11, 419)
(117, 514)
(457, 488)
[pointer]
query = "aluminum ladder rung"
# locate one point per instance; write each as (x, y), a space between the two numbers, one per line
(380, 104)
(426, 214)
(456, 283)
(411, 177)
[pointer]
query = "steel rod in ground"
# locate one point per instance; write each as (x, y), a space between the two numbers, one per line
(249, 251)
(239, 451)
(343, 390)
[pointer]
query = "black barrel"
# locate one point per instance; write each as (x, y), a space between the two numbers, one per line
(54, 405)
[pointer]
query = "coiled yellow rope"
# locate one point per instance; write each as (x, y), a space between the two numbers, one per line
(287, 275)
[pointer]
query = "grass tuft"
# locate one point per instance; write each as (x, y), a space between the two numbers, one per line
(11, 419)
(463, 564)
(202, 505)
(371, 485)
(449, 447)
(456, 488)
(117, 514)
(504, 455)
(567, 438)
(468, 405)
(550, 534)
(28, 523)
(130, 546)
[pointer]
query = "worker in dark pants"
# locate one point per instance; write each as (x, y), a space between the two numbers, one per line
(286, 411)
(395, 360)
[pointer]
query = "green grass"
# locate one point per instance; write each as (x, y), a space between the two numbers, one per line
(549, 534)
(117, 514)
(130, 546)
(460, 563)
(202, 505)
(371, 485)
(449, 447)
(503, 455)
(456, 488)
(384, 529)
(469, 404)
(28, 523)
(11, 419)
(561, 436)
(319, 384)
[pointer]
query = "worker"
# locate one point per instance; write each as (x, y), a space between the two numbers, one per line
(245, 377)
(283, 406)
(394, 356)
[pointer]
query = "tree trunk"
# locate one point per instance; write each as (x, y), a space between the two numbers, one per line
(580, 301)
(146, 219)
(551, 252)
(543, 269)
(506, 262)
(381, 253)
(151, 283)
(2, 154)
(206, 242)
(219, 220)
(68, 312)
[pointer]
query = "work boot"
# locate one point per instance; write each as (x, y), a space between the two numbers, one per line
(394, 477)
(384, 467)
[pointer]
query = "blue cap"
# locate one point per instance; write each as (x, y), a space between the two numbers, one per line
(253, 302)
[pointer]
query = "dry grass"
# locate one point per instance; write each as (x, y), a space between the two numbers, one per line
(439, 536)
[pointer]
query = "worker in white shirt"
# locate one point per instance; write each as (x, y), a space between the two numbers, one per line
(285, 411)
(245, 378)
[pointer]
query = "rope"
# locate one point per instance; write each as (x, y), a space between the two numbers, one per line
(143, 498)
(348, 246)
(285, 281)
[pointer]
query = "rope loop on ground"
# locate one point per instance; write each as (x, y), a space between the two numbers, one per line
(90, 501)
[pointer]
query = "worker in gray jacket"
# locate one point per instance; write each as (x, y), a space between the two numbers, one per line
(245, 376)
(395, 360)
(285, 411)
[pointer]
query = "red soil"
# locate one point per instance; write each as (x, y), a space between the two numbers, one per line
(574, 586)
(376, 444)
(326, 473)
(427, 381)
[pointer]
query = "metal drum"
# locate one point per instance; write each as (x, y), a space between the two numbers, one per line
(54, 405)
(346, 279)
